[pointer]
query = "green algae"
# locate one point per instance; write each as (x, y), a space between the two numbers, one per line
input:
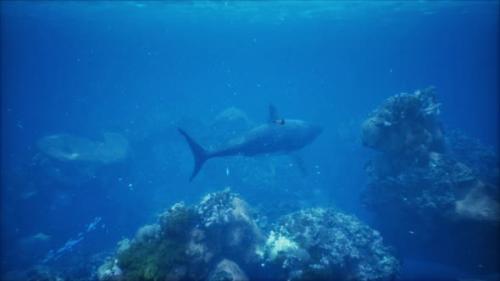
(154, 260)
(178, 222)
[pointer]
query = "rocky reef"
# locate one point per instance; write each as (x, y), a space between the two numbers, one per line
(405, 128)
(322, 244)
(189, 243)
(434, 195)
(223, 238)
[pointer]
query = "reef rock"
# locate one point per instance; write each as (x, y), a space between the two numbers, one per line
(479, 204)
(480, 158)
(227, 270)
(405, 125)
(228, 219)
(187, 242)
(219, 239)
(109, 271)
(322, 244)
(429, 187)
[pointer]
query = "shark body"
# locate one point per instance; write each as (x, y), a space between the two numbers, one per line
(275, 136)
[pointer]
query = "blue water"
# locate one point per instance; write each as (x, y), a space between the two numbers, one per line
(142, 68)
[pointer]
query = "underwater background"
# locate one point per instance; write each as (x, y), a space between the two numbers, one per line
(93, 94)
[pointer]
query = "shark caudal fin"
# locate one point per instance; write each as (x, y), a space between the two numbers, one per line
(200, 155)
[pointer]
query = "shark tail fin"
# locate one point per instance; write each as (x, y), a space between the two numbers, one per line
(200, 155)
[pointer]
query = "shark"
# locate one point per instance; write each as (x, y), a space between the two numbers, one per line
(276, 136)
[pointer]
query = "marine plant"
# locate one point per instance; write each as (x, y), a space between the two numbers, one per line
(157, 258)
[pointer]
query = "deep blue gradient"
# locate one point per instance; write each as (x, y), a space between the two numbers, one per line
(85, 68)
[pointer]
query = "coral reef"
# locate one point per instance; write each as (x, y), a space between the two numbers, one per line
(227, 270)
(426, 185)
(322, 244)
(405, 127)
(187, 242)
(481, 159)
(157, 250)
(220, 239)
(109, 270)
(229, 221)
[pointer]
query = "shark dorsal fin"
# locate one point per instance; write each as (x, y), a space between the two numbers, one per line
(273, 114)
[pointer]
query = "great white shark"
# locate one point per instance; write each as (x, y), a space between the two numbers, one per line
(276, 136)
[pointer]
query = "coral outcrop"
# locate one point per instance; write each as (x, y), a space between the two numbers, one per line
(190, 243)
(322, 244)
(406, 128)
(227, 270)
(437, 190)
(220, 239)
(228, 220)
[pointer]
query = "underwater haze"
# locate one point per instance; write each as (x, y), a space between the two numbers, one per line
(249, 140)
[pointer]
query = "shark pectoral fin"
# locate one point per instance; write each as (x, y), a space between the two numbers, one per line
(273, 114)
(299, 163)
